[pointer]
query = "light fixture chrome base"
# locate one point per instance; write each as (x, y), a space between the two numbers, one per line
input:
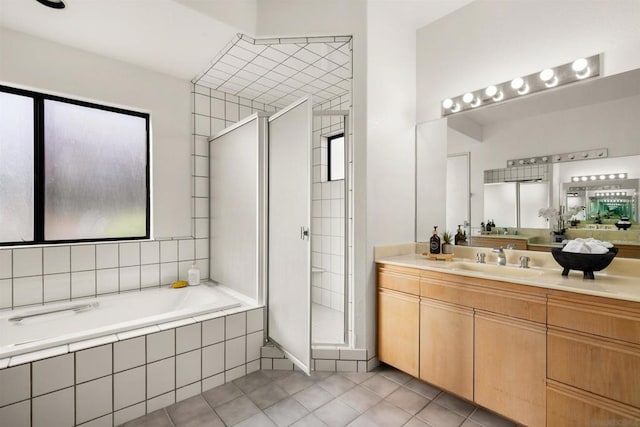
(599, 153)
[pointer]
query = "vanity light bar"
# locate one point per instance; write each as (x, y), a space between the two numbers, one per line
(600, 153)
(599, 177)
(571, 72)
(611, 193)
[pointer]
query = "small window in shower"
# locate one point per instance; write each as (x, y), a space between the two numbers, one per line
(335, 146)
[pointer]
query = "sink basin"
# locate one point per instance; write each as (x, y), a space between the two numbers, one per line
(496, 270)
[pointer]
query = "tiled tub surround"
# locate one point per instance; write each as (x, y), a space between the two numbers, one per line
(106, 383)
(47, 327)
(38, 275)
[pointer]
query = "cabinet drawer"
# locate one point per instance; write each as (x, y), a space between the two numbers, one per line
(497, 297)
(604, 367)
(615, 319)
(399, 279)
(567, 406)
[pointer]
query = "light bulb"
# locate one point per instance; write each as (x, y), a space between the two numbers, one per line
(575, 179)
(467, 97)
(584, 178)
(579, 65)
(592, 178)
(621, 176)
(447, 103)
(546, 74)
(517, 83)
(612, 176)
(602, 177)
(491, 91)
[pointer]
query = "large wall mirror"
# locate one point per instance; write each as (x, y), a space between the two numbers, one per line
(599, 114)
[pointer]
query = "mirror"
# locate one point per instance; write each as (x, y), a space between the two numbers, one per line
(601, 113)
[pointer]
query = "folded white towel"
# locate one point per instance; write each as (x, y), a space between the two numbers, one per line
(587, 246)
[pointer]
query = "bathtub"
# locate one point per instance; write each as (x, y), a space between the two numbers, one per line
(52, 325)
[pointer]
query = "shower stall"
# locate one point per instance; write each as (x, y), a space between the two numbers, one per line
(278, 221)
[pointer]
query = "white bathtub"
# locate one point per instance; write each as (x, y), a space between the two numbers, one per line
(29, 329)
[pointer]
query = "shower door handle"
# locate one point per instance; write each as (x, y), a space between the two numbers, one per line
(304, 233)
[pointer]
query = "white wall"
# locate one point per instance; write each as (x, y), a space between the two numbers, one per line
(50, 67)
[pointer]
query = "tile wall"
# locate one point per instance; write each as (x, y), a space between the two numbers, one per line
(136, 374)
(325, 359)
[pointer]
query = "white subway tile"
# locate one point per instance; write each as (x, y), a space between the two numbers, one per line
(326, 353)
(188, 338)
(161, 401)
(6, 293)
(202, 125)
(5, 264)
(353, 354)
(212, 382)
(149, 252)
(169, 251)
(244, 112)
(149, 275)
(271, 351)
(129, 254)
(93, 363)
(94, 342)
(231, 111)
(235, 352)
(202, 166)
(57, 259)
(57, 287)
(255, 320)
(202, 228)
(128, 353)
(217, 108)
(129, 387)
(188, 391)
(347, 365)
(104, 421)
(202, 187)
(202, 104)
(236, 325)
(183, 269)
(202, 247)
(108, 280)
(253, 366)
(168, 273)
(186, 249)
(83, 284)
(93, 399)
(54, 409)
(282, 365)
(254, 343)
(127, 414)
(17, 415)
(15, 384)
(325, 365)
(202, 207)
(107, 256)
(212, 360)
(217, 125)
(160, 345)
(202, 90)
(202, 145)
(203, 266)
(160, 377)
(52, 374)
(188, 368)
(235, 373)
(38, 355)
(213, 331)
(129, 278)
(83, 257)
(27, 262)
(266, 364)
(27, 290)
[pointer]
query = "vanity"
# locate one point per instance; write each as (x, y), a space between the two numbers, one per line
(525, 343)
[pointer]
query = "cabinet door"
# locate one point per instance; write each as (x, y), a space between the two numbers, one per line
(446, 346)
(510, 367)
(398, 323)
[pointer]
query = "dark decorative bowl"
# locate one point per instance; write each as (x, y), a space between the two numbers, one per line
(623, 226)
(587, 263)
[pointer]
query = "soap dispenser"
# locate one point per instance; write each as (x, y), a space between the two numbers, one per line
(434, 242)
(194, 275)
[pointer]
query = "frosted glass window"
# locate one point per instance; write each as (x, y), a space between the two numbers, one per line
(95, 173)
(336, 157)
(16, 168)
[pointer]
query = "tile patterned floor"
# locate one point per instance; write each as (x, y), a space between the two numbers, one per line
(385, 397)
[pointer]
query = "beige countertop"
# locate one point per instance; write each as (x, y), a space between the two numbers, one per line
(621, 280)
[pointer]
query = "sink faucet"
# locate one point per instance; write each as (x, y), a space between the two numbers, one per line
(480, 257)
(502, 259)
(511, 246)
(524, 261)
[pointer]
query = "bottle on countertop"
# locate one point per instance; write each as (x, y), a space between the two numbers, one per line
(458, 237)
(434, 242)
(193, 275)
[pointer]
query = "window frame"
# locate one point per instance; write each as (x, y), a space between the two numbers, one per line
(329, 140)
(39, 166)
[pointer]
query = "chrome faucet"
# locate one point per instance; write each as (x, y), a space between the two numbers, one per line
(511, 246)
(524, 261)
(480, 257)
(502, 259)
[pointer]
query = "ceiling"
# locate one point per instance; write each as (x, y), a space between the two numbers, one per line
(279, 71)
(175, 37)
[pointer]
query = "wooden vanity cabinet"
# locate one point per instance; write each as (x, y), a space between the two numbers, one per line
(446, 346)
(593, 358)
(399, 318)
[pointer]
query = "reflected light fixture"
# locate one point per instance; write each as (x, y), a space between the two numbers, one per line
(599, 177)
(548, 78)
(54, 4)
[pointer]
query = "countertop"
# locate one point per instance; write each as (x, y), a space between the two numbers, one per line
(621, 281)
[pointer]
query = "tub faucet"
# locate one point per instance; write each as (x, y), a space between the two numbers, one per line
(502, 259)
